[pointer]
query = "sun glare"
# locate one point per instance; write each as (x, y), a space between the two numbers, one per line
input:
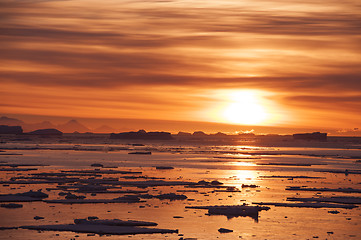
(245, 108)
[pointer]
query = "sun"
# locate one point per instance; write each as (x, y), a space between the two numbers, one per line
(245, 107)
(253, 107)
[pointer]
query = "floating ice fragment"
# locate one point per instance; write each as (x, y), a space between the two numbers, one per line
(224, 230)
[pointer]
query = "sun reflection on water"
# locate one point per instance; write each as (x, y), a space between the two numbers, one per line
(239, 177)
(246, 147)
(244, 164)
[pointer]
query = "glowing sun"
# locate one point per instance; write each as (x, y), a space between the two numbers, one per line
(245, 108)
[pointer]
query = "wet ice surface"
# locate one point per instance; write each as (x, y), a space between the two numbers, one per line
(326, 179)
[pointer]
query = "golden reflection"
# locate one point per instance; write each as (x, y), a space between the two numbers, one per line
(245, 147)
(244, 164)
(244, 176)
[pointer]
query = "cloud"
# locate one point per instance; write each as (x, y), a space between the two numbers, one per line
(303, 51)
(340, 103)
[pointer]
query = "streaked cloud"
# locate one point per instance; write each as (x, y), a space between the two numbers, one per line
(163, 57)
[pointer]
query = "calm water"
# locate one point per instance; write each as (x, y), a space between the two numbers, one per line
(232, 165)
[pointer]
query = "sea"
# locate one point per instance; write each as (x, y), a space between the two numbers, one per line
(312, 189)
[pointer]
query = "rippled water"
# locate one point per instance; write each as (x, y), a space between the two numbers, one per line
(232, 165)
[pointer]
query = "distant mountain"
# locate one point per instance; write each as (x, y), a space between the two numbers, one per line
(104, 129)
(26, 126)
(73, 126)
(69, 127)
(11, 121)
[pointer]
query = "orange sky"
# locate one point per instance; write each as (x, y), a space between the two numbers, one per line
(183, 60)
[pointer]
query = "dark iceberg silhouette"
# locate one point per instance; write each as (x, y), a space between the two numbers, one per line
(4, 129)
(46, 132)
(143, 135)
(311, 136)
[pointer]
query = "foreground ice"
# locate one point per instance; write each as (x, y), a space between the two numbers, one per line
(24, 197)
(115, 226)
(233, 210)
(114, 222)
(126, 199)
(339, 199)
(307, 205)
(170, 196)
(11, 205)
(224, 230)
(289, 177)
(344, 190)
(205, 181)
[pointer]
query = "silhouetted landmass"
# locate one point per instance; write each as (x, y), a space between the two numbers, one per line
(251, 134)
(199, 134)
(69, 127)
(185, 127)
(311, 136)
(184, 134)
(27, 127)
(219, 135)
(143, 135)
(47, 132)
(202, 136)
(4, 129)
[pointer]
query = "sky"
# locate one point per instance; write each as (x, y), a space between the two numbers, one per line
(272, 63)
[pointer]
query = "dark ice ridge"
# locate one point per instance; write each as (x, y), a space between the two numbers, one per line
(307, 205)
(107, 181)
(114, 222)
(101, 227)
(346, 171)
(11, 205)
(291, 177)
(224, 230)
(233, 210)
(17, 169)
(338, 199)
(100, 171)
(344, 190)
(125, 199)
(288, 164)
(14, 165)
(24, 197)
(170, 196)
(164, 167)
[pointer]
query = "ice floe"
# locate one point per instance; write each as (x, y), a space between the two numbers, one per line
(307, 205)
(24, 197)
(233, 210)
(344, 190)
(114, 227)
(338, 199)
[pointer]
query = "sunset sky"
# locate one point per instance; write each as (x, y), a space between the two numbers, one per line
(277, 63)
